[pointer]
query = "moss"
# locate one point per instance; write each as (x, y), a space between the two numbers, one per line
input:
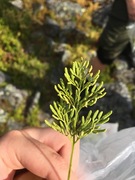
(26, 55)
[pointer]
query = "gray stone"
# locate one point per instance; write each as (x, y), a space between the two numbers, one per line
(3, 77)
(3, 116)
(12, 124)
(17, 3)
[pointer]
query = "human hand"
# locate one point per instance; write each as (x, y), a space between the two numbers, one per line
(131, 9)
(42, 151)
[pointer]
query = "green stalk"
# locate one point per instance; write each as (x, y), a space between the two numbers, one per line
(71, 102)
(71, 158)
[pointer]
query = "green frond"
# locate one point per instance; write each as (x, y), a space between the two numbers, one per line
(81, 89)
(95, 115)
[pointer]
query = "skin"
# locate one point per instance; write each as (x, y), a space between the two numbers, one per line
(42, 151)
(97, 65)
(131, 9)
(27, 176)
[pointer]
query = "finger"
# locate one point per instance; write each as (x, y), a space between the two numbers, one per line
(46, 164)
(57, 141)
(48, 136)
(36, 157)
(27, 176)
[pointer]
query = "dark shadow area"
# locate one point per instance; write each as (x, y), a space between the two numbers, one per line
(121, 107)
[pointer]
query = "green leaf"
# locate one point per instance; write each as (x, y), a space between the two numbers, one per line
(80, 89)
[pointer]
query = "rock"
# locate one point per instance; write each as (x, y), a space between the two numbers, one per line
(122, 73)
(66, 56)
(60, 39)
(3, 116)
(11, 97)
(14, 95)
(17, 3)
(12, 124)
(66, 10)
(3, 77)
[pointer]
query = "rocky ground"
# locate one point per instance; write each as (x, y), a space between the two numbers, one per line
(120, 93)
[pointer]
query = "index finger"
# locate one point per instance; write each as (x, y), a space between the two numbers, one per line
(57, 141)
(21, 151)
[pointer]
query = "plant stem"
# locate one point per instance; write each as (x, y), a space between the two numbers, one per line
(71, 158)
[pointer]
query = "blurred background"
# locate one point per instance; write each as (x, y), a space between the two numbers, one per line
(38, 38)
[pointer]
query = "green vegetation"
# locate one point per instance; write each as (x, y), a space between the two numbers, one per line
(79, 91)
(27, 57)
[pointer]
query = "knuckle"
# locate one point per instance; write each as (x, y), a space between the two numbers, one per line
(13, 134)
(59, 161)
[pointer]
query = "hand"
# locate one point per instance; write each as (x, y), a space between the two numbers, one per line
(131, 9)
(42, 151)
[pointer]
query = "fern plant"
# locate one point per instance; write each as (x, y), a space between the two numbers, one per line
(79, 90)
